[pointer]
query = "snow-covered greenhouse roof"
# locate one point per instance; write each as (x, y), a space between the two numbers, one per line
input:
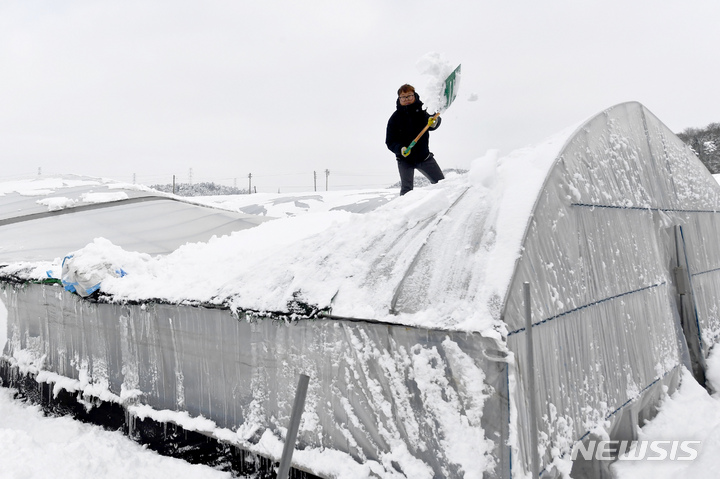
(419, 259)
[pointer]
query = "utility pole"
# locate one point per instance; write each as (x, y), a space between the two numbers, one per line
(315, 179)
(327, 174)
(173, 184)
(39, 170)
(190, 177)
(249, 183)
(133, 178)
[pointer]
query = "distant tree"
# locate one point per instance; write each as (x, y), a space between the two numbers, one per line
(705, 142)
(199, 189)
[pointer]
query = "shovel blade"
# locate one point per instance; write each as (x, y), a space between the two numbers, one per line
(452, 85)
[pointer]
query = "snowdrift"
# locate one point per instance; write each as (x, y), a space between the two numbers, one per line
(408, 317)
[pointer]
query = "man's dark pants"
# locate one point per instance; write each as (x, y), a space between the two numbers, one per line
(429, 168)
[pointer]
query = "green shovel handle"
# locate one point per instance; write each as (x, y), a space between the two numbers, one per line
(406, 151)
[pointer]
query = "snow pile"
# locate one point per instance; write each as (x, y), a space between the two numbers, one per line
(434, 65)
(690, 414)
(60, 202)
(33, 445)
(57, 203)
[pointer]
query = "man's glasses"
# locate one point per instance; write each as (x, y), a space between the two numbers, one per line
(407, 97)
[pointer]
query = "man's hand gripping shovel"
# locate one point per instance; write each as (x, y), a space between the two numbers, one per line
(452, 83)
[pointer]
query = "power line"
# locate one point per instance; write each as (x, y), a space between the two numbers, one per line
(342, 173)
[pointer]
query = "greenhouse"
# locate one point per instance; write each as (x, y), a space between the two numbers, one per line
(410, 317)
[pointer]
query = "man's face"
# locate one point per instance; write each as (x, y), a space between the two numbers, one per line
(407, 98)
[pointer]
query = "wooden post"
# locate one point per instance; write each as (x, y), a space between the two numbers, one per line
(297, 410)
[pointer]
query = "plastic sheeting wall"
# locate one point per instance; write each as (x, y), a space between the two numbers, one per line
(700, 235)
(401, 396)
(599, 255)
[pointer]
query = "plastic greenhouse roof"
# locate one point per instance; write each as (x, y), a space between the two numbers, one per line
(46, 218)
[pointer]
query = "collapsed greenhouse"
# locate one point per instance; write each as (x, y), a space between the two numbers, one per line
(410, 319)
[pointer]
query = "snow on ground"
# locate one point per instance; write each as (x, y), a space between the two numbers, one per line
(38, 447)
(690, 414)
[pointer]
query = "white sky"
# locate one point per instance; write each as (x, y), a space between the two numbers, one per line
(280, 89)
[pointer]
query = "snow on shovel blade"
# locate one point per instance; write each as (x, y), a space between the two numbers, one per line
(452, 84)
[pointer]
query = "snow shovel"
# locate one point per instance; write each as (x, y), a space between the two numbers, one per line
(452, 83)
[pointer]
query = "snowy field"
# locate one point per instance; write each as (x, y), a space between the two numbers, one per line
(33, 446)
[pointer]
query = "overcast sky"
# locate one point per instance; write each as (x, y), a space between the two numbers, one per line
(280, 89)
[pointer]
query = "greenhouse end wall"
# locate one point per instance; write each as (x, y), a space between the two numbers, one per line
(626, 204)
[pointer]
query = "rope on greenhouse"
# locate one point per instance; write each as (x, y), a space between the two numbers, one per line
(552, 318)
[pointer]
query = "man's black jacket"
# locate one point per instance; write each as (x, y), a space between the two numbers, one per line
(402, 128)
